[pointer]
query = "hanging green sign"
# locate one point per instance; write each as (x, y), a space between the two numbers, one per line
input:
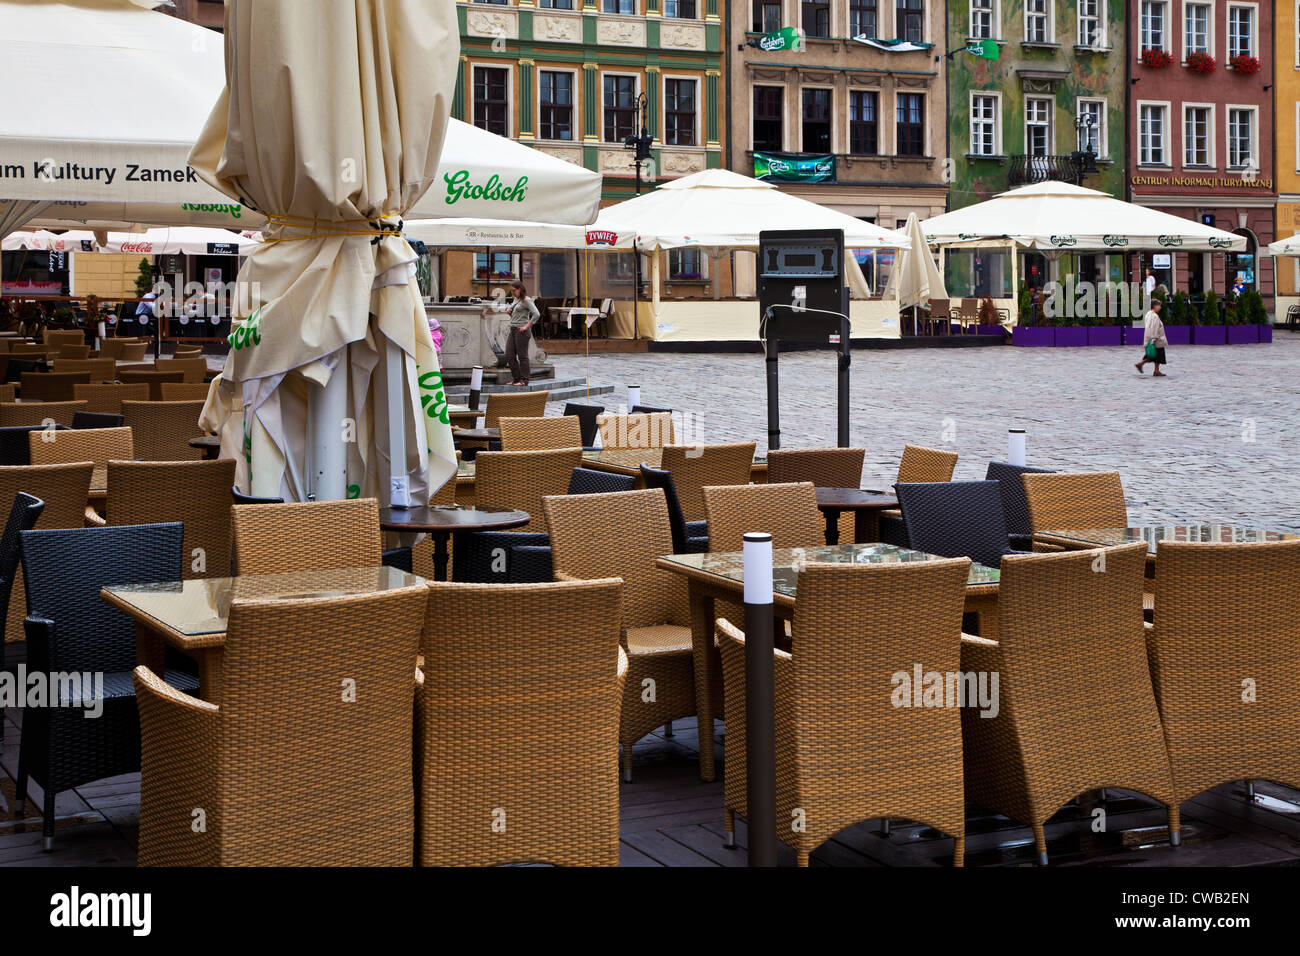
(984, 49)
(787, 38)
(795, 168)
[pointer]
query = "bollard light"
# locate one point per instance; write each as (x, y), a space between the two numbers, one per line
(475, 386)
(633, 396)
(760, 700)
(1016, 446)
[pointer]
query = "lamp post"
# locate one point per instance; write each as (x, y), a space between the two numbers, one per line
(1084, 159)
(640, 142)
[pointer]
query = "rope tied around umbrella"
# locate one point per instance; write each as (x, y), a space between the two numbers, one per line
(377, 229)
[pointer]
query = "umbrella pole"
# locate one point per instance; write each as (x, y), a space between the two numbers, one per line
(399, 482)
(327, 407)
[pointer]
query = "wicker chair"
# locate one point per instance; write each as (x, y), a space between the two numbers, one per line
(1014, 506)
(307, 536)
(1077, 711)
(71, 630)
(73, 352)
(479, 706)
(112, 348)
(191, 492)
(99, 369)
(918, 465)
(788, 512)
(695, 466)
(194, 370)
(8, 393)
(688, 537)
(845, 752)
(133, 351)
(635, 431)
(591, 539)
(95, 445)
(185, 391)
(531, 562)
(956, 519)
(586, 415)
(540, 434)
(51, 386)
(154, 379)
(505, 405)
(38, 413)
(265, 763)
(1059, 501)
(824, 467)
(1224, 613)
(22, 517)
(163, 429)
(108, 398)
(83, 420)
(15, 443)
(61, 337)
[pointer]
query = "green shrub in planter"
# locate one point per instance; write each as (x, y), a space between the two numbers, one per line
(63, 315)
(143, 279)
(1210, 311)
(1025, 307)
(1252, 309)
(1178, 309)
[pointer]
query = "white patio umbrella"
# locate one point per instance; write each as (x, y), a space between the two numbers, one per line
(462, 233)
(42, 241)
(332, 123)
(180, 240)
(1057, 216)
(915, 278)
(1284, 247)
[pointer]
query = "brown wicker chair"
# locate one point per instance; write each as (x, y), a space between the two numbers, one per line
(100, 369)
(513, 405)
(185, 391)
(108, 397)
(64, 489)
(306, 536)
(134, 351)
(1226, 613)
(1063, 500)
(845, 752)
(187, 351)
(642, 430)
(787, 511)
(920, 464)
(503, 661)
(521, 479)
(150, 377)
(264, 765)
(95, 445)
(8, 392)
(51, 386)
(73, 352)
(694, 466)
(37, 413)
(540, 434)
(28, 350)
(112, 348)
(163, 429)
(196, 493)
(193, 369)
(1077, 711)
(61, 337)
(596, 536)
(824, 467)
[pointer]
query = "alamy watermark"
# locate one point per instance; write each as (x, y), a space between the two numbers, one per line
(33, 689)
(922, 688)
(1076, 299)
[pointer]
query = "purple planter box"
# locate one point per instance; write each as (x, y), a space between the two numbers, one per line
(989, 330)
(1265, 334)
(1106, 335)
(1210, 335)
(1176, 334)
(1035, 335)
(1243, 334)
(1071, 336)
(1134, 334)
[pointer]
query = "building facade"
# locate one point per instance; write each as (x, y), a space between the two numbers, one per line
(866, 121)
(1201, 125)
(1286, 96)
(1056, 87)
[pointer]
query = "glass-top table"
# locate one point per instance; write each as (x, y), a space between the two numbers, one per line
(1154, 534)
(631, 458)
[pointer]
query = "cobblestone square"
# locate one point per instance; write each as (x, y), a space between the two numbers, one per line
(1216, 440)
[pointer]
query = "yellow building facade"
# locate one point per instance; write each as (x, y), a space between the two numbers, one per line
(1286, 93)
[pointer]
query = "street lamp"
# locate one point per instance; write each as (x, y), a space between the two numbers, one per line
(640, 142)
(1083, 160)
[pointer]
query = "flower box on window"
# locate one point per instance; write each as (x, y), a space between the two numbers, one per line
(1156, 59)
(1201, 64)
(1244, 64)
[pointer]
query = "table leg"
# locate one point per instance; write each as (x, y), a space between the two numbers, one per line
(211, 670)
(149, 649)
(440, 554)
(832, 525)
(702, 616)
(866, 525)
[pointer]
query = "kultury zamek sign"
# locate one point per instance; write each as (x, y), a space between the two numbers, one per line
(802, 168)
(787, 38)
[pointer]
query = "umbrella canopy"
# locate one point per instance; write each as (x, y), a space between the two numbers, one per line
(1285, 247)
(1061, 216)
(481, 233)
(42, 241)
(916, 277)
(180, 240)
(332, 122)
(718, 209)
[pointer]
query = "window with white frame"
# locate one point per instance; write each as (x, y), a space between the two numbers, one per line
(1198, 135)
(909, 20)
(1153, 129)
(1092, 116)
(1241, 31)
(1196, 28)
(1038, 21)
(1090, 23)
(686, 264)
(1241, 138)
(627, 7)
(863, 18)
(983, 19)
(681, 9)
(864, 122)
(1038, 126)
(1151, 17)
(984, 110)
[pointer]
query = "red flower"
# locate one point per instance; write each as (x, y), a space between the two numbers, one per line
(1243, 64)
(1201, 63)
(1156, 59)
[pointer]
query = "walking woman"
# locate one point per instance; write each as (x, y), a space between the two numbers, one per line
(1154, 340)
(522, 315)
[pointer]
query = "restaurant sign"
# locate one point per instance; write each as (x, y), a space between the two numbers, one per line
(795, 168)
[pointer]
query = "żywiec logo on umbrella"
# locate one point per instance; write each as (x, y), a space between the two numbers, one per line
(1114, 241)
(1063, 241)
(459, 187)
(601, 237)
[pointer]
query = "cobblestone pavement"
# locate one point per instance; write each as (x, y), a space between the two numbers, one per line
(1215, 440)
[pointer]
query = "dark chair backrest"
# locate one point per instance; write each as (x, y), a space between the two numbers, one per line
(1014, 507)
(97, 420)
(955, 519)
(662, 478)
(17, 366)
(22, 517)
(588, 481)
(16, 446)
(64, 570)
(242, 499)
(648, 410)
(586, 420)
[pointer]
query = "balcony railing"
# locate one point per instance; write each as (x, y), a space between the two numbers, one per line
(1037, 169)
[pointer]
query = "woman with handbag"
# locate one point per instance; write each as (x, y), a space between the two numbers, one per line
(1154, 339)
(522, 315)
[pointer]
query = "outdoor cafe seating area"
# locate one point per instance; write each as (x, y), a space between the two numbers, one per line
(500, 671)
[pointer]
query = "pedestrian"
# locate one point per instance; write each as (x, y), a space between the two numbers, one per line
(1238, 285)
(435, 333)
(145, 308)
(522, 315)
(1148, 285)
(1154, 340)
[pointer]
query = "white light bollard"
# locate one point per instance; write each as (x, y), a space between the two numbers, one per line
(475, 386)
(760, 700)
(633, 396)
(1016, 446)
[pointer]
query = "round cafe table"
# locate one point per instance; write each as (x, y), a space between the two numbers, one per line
(476, 434)
(442, 521)
(211, 445)
(865, 505)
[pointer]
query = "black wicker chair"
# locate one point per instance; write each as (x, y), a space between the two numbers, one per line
(689, 537)
(1014, 506)
(589, 481)
(587, 415)
(956, 519)
(399, 558)
(97, 420)
(15, 446)
(70, 630)
(22, 517)
(242, 499)
(648, 410)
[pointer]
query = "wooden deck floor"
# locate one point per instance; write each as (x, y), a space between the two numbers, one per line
(670, 818)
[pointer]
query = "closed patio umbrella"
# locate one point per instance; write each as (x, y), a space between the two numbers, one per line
(916, 277)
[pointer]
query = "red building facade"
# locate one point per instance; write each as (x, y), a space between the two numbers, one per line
(1200, 133)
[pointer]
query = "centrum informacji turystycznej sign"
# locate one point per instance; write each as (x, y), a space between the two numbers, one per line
(806, 168)
(787, 38)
